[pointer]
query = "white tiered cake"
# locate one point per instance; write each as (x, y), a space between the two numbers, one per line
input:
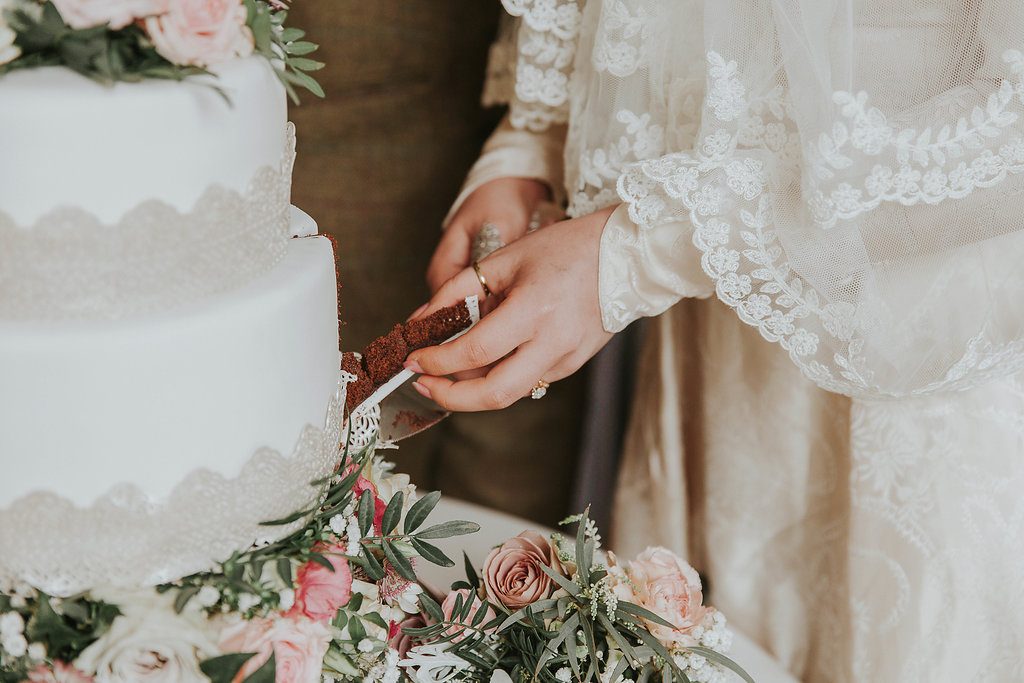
(168, 351)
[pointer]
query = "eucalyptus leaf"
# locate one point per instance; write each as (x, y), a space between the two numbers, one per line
(419, 511)
(449, 529)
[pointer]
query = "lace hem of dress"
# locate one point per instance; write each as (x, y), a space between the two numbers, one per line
(70, 265)
(541, 63)
(125, 539)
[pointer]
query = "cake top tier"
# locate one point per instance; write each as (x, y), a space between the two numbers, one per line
(71, 142)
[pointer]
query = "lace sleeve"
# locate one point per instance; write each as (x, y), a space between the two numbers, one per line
(644, 271)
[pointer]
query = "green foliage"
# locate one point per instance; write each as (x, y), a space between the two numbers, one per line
(99, 53)
(581, 626)
(108, 56)
(80, 623)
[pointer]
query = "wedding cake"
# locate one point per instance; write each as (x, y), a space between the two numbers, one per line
(169, 365)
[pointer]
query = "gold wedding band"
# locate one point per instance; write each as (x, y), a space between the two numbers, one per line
(540, 389)
(481, 278)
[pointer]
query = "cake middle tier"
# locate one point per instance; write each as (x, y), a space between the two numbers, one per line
(145, 401)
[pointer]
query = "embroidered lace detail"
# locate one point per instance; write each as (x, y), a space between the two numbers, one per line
(949, 160)
(71, 265)
(546, 45)
(722, 189)
(125, 539)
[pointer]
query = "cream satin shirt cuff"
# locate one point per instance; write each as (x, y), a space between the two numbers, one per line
(644, 271)
(513, 153)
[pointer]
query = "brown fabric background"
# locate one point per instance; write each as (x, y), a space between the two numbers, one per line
(379, 162)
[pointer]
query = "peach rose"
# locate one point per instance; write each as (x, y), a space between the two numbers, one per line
(666, 585)
(201, 32)
(60, 673)
(319, 592)
(448, 609)
(117, 14)
(298, 645)
(513, 574)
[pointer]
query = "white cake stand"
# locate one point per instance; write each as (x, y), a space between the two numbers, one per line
(496, 526)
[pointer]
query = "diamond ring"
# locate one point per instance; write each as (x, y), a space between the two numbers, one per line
(540, 389)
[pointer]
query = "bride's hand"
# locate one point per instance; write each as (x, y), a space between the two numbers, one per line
(546, 325)
(508, 203)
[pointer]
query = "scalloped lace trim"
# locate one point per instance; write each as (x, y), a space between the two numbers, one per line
(125, 539)
(71, 265)
(546, 46)
(723, 189)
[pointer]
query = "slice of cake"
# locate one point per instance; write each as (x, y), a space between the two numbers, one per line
(383, 358)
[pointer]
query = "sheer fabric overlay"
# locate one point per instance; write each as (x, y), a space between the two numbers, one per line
(849, 170)
(70, 265)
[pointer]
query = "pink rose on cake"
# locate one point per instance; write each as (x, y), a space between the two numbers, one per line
(299, 646)
(201, 32)
(320, 592)
(117, 14)
(8, 50)
(666, 585)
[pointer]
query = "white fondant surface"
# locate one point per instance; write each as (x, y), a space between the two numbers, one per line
(85, 406)
(68, 141)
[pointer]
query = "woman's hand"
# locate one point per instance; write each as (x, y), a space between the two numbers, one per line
(546, 325)
(508, 203)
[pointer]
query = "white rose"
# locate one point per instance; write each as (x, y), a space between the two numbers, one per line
(116, 14)
(150, 643)
(8, 50)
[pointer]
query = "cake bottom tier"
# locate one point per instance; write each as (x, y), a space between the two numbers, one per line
(138, 451)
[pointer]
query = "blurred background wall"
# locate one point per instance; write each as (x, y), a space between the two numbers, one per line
(379, 162)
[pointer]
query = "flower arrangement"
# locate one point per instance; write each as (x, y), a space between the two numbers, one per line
(547, 610)
(338, 600)
(131, 40)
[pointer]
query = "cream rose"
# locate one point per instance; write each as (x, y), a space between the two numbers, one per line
(299, 646)
(117, 14)
(513, 574)
(8, 50)
(149, 643)
(201, 32)
(666, 585)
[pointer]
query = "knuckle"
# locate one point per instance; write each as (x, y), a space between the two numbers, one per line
(498, 398)
(476, 353)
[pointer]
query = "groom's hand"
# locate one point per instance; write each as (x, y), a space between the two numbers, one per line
(508, 203)
(547, 322)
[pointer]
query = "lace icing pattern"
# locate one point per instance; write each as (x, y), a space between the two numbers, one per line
(723, 188)
(546, 46)
(126, 539)
(71, 265)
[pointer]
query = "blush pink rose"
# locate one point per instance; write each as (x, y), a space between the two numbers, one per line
(513, 574)
(201, 32)
(400, 641)
(60, 673)
(319, 592)
(298, 645)
(379, 506)
(666, 585)
(448, 610)
(79, 14)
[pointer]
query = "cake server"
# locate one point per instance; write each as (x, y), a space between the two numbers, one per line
(403, 411)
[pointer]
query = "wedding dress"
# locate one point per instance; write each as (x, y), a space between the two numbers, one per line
(831, 422)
